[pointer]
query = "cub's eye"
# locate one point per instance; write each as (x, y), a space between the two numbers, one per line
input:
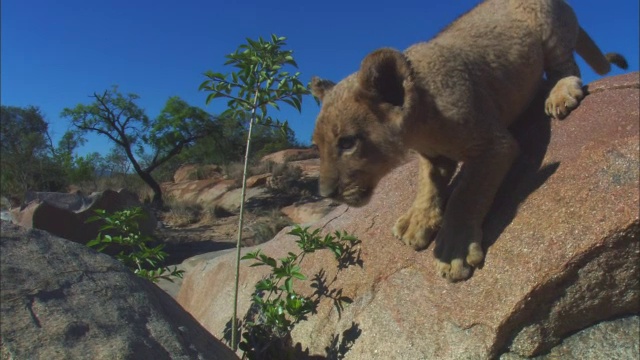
(347, 142)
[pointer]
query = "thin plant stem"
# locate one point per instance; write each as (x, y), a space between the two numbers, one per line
(234, 320)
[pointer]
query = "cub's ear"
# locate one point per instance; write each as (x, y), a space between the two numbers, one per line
(319, 87)
(383, 74)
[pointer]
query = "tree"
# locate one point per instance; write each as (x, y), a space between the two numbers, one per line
(77, 169)
(25, 153)
(119, 118)
(259, 83)
(228, 145)
(266, 140)
(116, 162)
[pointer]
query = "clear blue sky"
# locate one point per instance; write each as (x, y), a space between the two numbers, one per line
(54, 54)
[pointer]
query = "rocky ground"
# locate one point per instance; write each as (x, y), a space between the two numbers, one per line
(187, 245)
(562, 257)
(210, 238)
(580, 294)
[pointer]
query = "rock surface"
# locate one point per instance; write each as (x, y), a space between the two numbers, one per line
(64, 215)
(257, 180)
(62, 300)
(205, 191)
(230, 201)
(308, 212)
(190, 172)
(615, 339)
(287, 155)
(310, 167)
(562, 240)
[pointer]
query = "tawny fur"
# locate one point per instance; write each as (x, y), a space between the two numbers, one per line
(450, 100)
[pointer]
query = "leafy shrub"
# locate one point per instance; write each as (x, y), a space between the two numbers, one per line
(260, 82)
(124, 231)
(276, 307)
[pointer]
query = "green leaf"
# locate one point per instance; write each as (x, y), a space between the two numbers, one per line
(268, 260)
(252, 43)
(299, 276)
(94, 242)
(251, 255)
(93, 218)
(264, 285)
(210, 97)
(205, 85)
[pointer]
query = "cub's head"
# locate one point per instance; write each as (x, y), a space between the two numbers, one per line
(359, 131)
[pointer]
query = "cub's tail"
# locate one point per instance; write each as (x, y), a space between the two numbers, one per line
(599, 62)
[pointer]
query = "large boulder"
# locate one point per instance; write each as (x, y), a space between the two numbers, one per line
(65, 215)
(189, 172)
(308, 212)
(562, 241)
(283, 156)
(310, 167)
(204, 192)
(62, 300)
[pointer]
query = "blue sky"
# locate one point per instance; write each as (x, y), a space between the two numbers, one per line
(54, 54)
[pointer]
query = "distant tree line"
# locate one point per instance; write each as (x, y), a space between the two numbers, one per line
(152, 149)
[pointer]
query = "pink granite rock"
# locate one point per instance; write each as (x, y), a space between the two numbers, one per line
(257, 180)
(65, 215)
(205, 192)
(189, 172)
(308, 212)
(287, 155)
(562, 240)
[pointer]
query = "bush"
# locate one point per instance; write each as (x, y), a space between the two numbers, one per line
(124, 232)
(276, 307)
(266, 230)
(182, 213)
(286, 179)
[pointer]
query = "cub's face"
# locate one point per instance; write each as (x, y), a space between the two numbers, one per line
(353, 145)
(358, 132)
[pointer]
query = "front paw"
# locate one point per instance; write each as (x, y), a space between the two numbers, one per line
(417, 227)
(457, 252)
(564, 97)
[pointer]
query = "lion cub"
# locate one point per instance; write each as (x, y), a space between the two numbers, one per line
(451, 100)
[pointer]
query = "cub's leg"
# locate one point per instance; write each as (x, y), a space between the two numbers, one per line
(459, 241)
(559, 63)
(567, 91)
(418, 225)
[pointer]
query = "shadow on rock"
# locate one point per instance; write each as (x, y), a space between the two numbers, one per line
(265, 330)
(179, 252)
(266, 346)
(533, 133)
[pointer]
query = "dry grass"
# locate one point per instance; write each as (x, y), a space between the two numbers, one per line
(203, 172)
(267, 228)
(287, 180)
(180, 213)
(215, 212)
(234, 171)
